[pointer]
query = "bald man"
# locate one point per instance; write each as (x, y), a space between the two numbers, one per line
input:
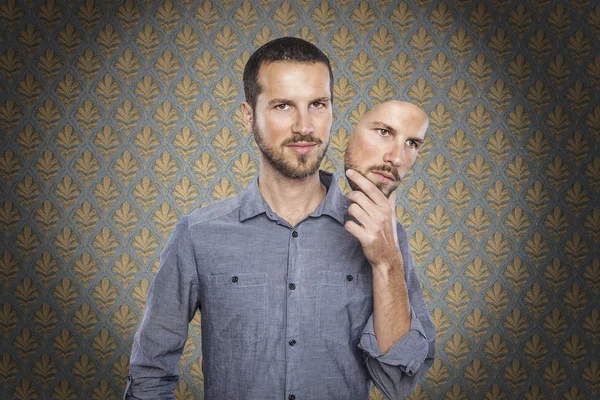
(380, 152)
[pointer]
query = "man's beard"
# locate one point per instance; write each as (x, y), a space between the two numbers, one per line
(303, 168)
(386, 190)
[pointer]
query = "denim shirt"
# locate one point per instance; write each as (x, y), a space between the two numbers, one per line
(286, 312)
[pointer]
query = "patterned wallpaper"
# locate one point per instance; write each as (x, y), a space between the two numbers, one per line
(119, 117)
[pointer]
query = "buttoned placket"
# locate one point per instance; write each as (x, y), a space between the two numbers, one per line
(293, 310)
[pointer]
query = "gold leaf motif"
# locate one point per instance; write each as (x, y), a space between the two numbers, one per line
(127, 64)
(185, 193)
(11, 13)
(45, 318)
(223, 190)
(29, 90)
(65, 344)
(476, 375)
(362, 68)
(124, 320)
(165, 219)
(127, 116)
(28, 141)
(478, 273)
(577, 198)
(460, 94)
(382, 42)
(48, 64)
(535, 350)
(477, 324)
(26, 293)
(459, 196)
(515, 375)
(478, 222)
(105, 243)
(206, 67)
(519, 69)
(496, 299)
(402, 18)
(207, 16)
(556, 325)
(48, 114)
(66, 243)
(559, 70)
(481, 18)
(50, 13)
(108, 39)
(147, 40)
(574, 350)
(47, 166)
(576, 249)
(25, 344)
(139, 295)
(246, 16)
(556, 274)
(145, 244)
(46, 216)
(438, 374)
(105, 294)
(457, 348)
(205, 168)
(421, 43)
(67, 141)
(8, 267)
(518, 223)
(69, 39)
(88, 64)
(205, 117)
(186, 91)
(438, 273)
(30, 38)
(125, 218)
(165, 168)
(421, 93)
(500, 44)
(84, 370)
(65, 293)
(497, 247)
(578, 97)
(363, 17)
(579, 45)
(86, 217)
(126, 167)
(536, 299)
(147, 90)
(107, 142)
(9, 216)
(103, 391)
(105, 192)
(227, 39)
(439, 221)
(402, 68)
(496, 349)
(107, 90)
(45, 268)
(226, 92)
(87, 167)
(441, 68)
(419, 195)
(382, 91)
(166, 116)
(85, 318)
(167, 15)
(460, 43)
(145, 193)
(85, 268)
(44, 369)
(457, 298)
(88, 115)
(27, 242)
(128, 14)
(27, 191)
(244, 169)
(64, 390)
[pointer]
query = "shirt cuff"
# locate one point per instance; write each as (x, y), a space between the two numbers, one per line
(408, 352)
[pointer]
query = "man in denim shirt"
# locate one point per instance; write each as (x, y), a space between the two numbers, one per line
(304, 293)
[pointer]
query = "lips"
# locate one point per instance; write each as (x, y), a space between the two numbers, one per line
(384, 177)
(302, 147)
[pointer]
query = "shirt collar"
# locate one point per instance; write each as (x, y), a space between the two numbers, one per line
(334, 204)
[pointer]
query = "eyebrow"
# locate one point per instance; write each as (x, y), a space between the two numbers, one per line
(272, 102)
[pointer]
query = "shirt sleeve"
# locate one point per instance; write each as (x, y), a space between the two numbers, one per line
(397, 372)
(171, 304)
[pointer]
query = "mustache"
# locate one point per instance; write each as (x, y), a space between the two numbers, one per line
(386, 168)
(299, 138)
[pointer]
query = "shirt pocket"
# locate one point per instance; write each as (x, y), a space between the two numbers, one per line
(238, 307)
(344, 303)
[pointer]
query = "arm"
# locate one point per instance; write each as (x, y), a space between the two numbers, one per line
(399, 339)
(171, 305)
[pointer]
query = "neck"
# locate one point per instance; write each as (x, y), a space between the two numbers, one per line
(291, 199)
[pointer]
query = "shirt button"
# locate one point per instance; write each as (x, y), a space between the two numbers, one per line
(349, 278)
(292, 342)
(294, 234)
(234, 279)
(291, 397)
(292, 286)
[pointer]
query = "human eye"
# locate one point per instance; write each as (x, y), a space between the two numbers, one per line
(318, 104)
(282, 106)
(414, 144)
(383, 132)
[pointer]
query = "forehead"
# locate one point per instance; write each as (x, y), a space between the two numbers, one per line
(402, 117)
(286, 75)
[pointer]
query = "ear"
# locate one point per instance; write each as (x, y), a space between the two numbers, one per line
(248, 116)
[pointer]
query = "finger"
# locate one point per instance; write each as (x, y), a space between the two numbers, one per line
(366, 186)
(373, 209)
(355, 230)
(358, 213)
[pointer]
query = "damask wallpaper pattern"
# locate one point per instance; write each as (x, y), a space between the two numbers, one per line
(119, 117)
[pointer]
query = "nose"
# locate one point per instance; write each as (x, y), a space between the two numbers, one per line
(395, 155)
(303, 124)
